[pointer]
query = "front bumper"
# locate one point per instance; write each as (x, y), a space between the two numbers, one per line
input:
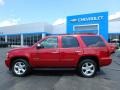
(7, 63)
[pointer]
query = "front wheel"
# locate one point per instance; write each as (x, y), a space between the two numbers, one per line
(20, 67)
(87, 68)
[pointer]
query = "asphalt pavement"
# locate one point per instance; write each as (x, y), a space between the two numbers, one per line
(107, 79)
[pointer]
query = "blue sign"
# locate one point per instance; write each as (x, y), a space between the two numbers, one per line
(96, 23)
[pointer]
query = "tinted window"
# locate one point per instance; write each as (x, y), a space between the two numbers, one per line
(30, 39)
(69, 41)
(93, 41)
(14, 39)
(50, 43)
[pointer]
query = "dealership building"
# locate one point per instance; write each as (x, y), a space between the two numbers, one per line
(93, 23)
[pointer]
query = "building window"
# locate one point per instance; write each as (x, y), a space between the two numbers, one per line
(14, 39)
(30, 39)
(2, 38)
(48, 34)
(92, 29)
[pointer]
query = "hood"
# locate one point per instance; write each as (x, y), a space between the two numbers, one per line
(19, 49)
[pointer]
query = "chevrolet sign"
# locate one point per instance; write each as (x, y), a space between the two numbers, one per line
(87, 19)
(74, 20)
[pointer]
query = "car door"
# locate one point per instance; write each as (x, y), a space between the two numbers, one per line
(49, 53)
(70, 51)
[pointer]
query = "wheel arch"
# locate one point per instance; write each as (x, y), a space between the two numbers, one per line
(92, 57)
(18, 57)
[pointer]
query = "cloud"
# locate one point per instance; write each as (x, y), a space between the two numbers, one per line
(9, 22)
(114, 16)
(111, 17)
(2, 2)
(59, 21)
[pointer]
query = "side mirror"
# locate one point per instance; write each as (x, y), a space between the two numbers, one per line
(39, 46)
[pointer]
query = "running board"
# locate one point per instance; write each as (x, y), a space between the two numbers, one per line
(54, 69)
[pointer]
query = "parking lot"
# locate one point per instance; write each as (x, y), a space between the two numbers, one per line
(107, 79)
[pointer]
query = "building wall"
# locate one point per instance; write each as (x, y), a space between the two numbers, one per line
(59, 29)
(24, 34)
(99, 20)
(114, 26)
(114, 31)
(26, 28)
(29, 32)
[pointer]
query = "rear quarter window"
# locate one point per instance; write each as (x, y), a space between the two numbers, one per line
(93, 41)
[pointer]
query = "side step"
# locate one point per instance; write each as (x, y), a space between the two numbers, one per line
(54, 69)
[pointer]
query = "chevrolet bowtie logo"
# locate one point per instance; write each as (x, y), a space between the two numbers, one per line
(74, 20)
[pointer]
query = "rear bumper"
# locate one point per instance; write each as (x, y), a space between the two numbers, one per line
(105, 61)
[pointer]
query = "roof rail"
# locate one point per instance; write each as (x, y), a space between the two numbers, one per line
(73, 34)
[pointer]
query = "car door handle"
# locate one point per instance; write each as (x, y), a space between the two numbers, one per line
(54, 52)
(78, 51)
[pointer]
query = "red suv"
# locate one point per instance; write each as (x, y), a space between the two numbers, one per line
(86, 53)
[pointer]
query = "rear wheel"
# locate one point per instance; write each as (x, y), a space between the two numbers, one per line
(87, 68)
(20, 67)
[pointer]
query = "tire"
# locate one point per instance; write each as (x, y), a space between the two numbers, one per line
(20, 68)
(87, 68)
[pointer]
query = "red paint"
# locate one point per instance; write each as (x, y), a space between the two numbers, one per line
(60, 57)
(112, 47)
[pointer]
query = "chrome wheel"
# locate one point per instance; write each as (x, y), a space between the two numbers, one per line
(88, 69)
(19, 68)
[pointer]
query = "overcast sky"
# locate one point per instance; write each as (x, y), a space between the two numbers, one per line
(52, 11)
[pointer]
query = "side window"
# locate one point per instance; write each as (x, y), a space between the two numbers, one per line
(93, 41)
(51, 42)
(69, 41)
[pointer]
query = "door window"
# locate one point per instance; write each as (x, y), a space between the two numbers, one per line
(69, 41)
(51, 42)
